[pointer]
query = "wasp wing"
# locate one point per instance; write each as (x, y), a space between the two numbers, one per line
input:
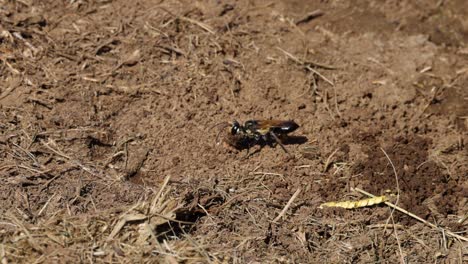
(275, 126)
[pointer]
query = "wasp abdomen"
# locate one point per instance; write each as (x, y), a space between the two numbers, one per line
(285, 127)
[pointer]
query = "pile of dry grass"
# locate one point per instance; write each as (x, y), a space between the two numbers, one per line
(143, 232)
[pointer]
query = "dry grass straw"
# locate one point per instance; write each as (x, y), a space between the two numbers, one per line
(416, 217)
(308, 66)
(135, 234)
(200, 24)
(283, 212)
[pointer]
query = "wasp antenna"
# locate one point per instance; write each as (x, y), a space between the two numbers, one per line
(223, 125)
(219, 124)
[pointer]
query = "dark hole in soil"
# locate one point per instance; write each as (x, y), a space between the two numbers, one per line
(174, 229)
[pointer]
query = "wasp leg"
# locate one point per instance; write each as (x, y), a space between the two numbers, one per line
(253, 153)
(279, 142)
(251, 143)
(247, 154)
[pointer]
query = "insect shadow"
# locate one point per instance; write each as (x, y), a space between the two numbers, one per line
(294, 140)
(284, 140)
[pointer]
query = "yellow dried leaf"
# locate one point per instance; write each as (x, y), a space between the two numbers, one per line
(355, 204)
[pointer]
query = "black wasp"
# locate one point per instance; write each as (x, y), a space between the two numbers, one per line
(261, 132)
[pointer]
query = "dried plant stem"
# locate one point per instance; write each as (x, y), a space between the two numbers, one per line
(69, 159)
(328, 162)
(192, 21)
(198, 23)
(307, 67)
(287, 205)
(402, 258)
(416, 217)
(159, 194)
(3, 254)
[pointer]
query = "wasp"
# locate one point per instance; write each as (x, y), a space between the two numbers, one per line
(259, 132)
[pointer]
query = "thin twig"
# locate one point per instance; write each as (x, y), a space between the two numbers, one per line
(309, 16)
(10, 89)
(198, 23)
(3, 254)
(415, 216)
(45, 205)
(158, 195)
(325, 102)
(328, 162)
(320, 75)
(287, 205)
(402, 258)
(69, 159)
(336, 103)
(306, 65)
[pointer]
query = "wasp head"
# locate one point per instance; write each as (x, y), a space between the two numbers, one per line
(236, 128)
